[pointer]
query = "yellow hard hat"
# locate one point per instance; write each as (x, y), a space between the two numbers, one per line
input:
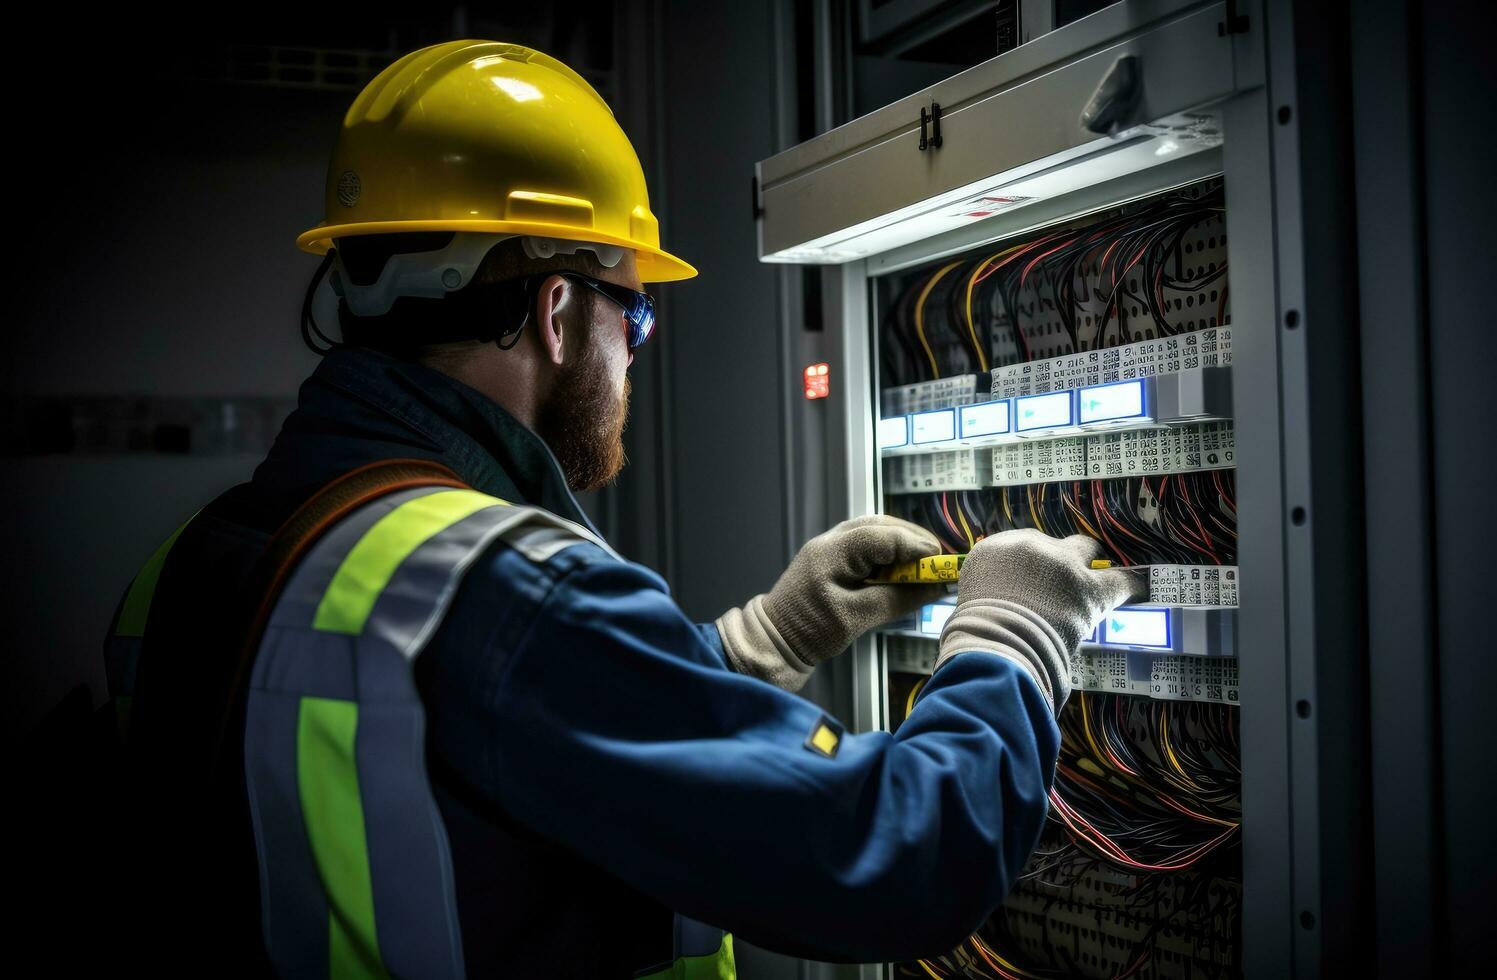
(479, 136)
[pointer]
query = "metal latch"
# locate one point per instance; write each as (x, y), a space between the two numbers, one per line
(931, 118)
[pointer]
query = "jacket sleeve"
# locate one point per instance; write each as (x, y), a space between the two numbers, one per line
(613, 726)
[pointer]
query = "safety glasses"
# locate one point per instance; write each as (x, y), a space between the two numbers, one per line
(638, 307)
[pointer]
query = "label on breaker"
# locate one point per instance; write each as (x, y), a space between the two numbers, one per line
(1140, 360)
(1152, 452)
(1218, 445)
(1194, 679)
(1045, 461)
(1211, 347)
(941, 393)
(1216, 347)
(1103, 671)
(1013, 379)
(960, 469)
(1077, 370)
(1193, 585)
(1158, 676)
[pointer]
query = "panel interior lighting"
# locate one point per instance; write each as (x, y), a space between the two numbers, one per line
(1033, 413)
(1121, 401)
(986, 419)
(893, 433)
(929, 427)
(1128, 153)
(1137, 628)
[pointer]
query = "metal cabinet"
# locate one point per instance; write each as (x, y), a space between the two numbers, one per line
(1000, 152)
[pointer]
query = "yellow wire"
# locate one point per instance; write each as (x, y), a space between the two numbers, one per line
(1005, 963)
(1007, 512)
(909, 704)
(1029, 495)
(966, 528)
(1079, 517)
(982, 355)
(1169, 750)
(928, 970)
(935, 372)
(1086, 724)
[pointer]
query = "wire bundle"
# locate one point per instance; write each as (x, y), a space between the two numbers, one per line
(1080, 275)
(1161, 802)
(1147, 788)
(1181, 519)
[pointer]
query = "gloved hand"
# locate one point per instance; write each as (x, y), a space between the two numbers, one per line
(822, 602)
(1031, 598)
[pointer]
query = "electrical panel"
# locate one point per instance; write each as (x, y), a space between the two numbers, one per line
(1077, 379)
(1043, 322)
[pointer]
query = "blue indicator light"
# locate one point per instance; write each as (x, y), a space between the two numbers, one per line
(928, 427)
(1112, 402)
(894, 432)
(1035, 412)
(933, 618)
(1134, 627)
(986, 419)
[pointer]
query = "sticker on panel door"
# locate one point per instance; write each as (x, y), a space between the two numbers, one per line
(987, 206)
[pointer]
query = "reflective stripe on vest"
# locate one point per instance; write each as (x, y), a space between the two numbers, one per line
(702, 953)
(122, 646)
(355, 869)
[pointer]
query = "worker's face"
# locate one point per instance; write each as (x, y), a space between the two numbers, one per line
(582, 416)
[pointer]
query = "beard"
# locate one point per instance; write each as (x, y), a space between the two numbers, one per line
(583, 423)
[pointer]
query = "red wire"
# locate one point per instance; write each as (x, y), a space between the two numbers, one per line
(956, 532)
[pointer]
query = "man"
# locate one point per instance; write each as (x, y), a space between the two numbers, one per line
(417, 719)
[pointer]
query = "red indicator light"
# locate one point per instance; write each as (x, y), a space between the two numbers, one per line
(818, 381)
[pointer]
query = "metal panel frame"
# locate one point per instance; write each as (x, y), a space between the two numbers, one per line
(870, 168)
(1263, 668)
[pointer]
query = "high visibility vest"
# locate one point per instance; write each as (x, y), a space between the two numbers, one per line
(355, 870)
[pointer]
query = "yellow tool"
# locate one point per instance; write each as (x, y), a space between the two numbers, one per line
(936, 568)
(940, 568)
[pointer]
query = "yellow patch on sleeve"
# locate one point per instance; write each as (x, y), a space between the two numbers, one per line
(825, 738)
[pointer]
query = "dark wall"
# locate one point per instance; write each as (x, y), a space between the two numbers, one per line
(724, 387)
(159, 264)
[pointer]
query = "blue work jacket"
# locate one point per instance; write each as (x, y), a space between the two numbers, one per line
(597, 763)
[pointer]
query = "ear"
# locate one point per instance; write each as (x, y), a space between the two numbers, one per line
(550, 302)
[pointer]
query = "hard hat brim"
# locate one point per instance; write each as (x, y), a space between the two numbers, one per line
(653, 264)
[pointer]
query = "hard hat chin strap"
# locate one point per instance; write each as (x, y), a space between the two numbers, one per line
(432, 275)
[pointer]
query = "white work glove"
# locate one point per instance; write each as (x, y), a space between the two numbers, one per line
(823, 601)
(1031, 598)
